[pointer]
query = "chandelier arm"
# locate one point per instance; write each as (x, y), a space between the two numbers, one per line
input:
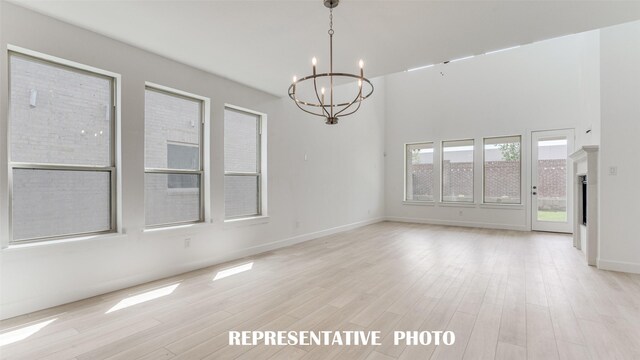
(358, 96)
(356, 109)
(293, 97)
(307, 111)
(315, 88)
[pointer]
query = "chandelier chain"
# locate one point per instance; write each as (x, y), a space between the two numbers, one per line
(330, 21)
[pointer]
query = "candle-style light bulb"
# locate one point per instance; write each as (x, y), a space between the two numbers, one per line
(314, 61)
(361, 63)
(359, 83)
(295, 78)
(322, 97)
(322, 91)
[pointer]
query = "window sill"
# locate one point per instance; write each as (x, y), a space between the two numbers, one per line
(502, 206)
(246, 221)
(174, 227)
(457, 204)
(69, 240)
(419, 203)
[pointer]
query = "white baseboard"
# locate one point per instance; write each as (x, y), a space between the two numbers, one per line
(458, 223)
(36, 304)
(259, 249)
(622, 266)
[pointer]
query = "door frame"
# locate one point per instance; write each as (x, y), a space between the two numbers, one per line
(536, 225)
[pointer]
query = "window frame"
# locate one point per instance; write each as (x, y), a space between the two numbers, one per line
(473, 178)
(406, 169)
(484, 181)
(260, 165)
(113, 140)
(201, 161)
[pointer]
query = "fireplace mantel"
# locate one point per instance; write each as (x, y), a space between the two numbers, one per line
(583, 153)
(585, 162)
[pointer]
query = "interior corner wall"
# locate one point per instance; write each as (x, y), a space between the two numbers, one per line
(547, 85)
(321, 179)
(620, 148)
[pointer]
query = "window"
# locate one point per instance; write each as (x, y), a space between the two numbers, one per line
(502, 170)
(419, 176)
(457, 171)
(173, 152)
(242, 163)
(62, 163)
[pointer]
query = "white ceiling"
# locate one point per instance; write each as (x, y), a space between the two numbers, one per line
(264, 43)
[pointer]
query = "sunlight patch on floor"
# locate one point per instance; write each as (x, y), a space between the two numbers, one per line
(144, 297)
(232, 271)
(23, 333)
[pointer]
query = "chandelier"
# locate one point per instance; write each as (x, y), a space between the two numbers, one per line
(324, 104)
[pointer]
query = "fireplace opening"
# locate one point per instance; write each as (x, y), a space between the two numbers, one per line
(583, 196)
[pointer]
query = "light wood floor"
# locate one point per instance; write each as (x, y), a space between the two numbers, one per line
(507, 295)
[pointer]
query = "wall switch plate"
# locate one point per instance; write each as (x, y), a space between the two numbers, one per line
(613, 170)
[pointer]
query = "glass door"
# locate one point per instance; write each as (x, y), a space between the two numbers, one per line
(551, 186)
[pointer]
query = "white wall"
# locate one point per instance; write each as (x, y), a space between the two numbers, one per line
(620, 147)
(340, 184)
(547, 85)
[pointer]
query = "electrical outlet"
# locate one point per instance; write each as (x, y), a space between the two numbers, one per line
(613, 170)
(187, 242)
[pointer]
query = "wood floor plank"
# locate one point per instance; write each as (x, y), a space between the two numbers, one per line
(461, 324)
(506, 351)
(513, 328)
(159, 354)
(374, 355)
(571, 351)
(99, 340)
(289, 353)
(506, 294)
(484, 337)
(541, 343)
